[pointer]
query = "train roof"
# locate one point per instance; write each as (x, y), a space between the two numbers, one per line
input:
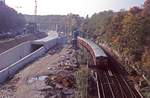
(96, 49)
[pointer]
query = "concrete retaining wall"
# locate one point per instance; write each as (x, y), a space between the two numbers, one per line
(14, 59)
(62, 40)
(15, 67)
(47, 42)
(14, 54)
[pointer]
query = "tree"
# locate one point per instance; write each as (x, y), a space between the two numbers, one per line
(72, 21)
(135, 11)
(146, 10)
(10, 19)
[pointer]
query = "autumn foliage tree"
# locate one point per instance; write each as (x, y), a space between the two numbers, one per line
(146, 9)
(128, 32)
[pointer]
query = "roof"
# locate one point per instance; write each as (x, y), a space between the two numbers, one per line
(96, 49)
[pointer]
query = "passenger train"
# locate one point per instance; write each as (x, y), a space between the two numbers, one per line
(100, 59)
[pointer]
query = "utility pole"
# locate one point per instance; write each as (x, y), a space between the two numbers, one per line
(35, 17)
(35, 12)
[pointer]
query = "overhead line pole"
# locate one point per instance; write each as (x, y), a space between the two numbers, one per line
(35, 12)
(35, 17)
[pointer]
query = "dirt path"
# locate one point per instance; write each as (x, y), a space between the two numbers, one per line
(19, 87)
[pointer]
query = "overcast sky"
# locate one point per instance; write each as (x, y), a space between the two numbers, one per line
(81, 7)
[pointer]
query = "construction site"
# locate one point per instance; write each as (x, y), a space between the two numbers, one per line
(71, 56)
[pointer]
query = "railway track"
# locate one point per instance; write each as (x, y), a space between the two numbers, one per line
(109, 75)
(114, 85)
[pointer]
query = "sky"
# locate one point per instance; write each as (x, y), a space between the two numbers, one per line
(63, 7)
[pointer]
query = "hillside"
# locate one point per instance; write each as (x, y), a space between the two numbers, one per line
(10, 20)
(63, 23)
(125, 32)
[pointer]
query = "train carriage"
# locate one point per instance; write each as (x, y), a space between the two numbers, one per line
(100, 59)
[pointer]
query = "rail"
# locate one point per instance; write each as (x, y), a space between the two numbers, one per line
(110, 84)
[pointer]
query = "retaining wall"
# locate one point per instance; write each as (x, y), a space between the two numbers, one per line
(48, 41)
(15, 67)
(14, 54)
(14, 59)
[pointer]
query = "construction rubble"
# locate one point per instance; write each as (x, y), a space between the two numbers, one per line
(51, 76)
(60, 80)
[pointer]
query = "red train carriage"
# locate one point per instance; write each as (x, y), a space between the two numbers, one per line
(100, 59)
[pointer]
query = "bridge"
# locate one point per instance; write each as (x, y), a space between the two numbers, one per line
(110, 82)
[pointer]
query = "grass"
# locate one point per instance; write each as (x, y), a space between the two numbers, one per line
(81, 82)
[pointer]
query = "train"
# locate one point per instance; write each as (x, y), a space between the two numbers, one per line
(100, 58)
